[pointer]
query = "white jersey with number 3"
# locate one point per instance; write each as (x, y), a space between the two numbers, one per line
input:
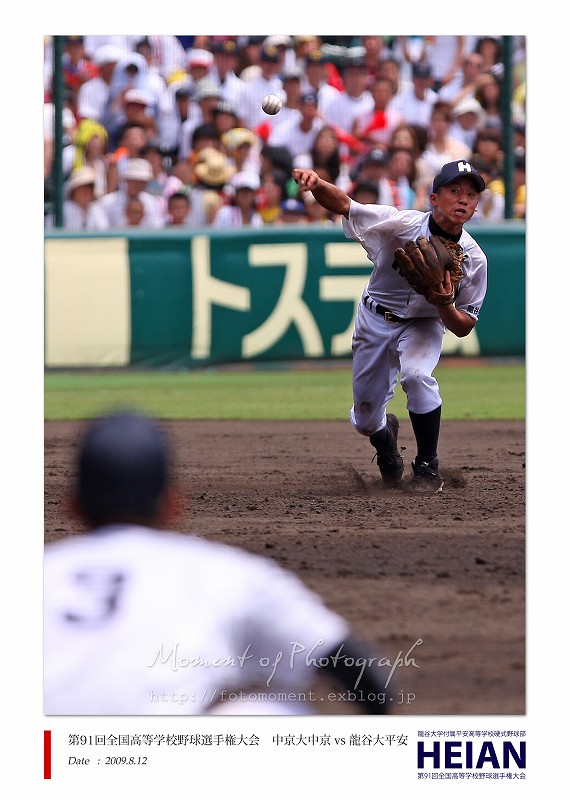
(139, 621)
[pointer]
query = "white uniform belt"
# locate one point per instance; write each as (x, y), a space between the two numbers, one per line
(388, 315)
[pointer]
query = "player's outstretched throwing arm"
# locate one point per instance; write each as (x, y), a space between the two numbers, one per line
(327, 194)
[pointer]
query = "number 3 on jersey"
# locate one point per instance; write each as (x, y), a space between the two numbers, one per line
(95, 596)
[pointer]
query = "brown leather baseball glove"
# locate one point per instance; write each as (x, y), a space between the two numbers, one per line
(423, 264)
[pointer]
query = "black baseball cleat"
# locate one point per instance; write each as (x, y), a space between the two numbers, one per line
(426, 479)
(389, 460)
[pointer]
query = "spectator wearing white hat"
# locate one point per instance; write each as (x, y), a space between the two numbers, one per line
(468, 118)
(138, 108)
(124, 44)
(199, 62)
(242, 207)
(93, 95)
(80, 209)
(136, 177)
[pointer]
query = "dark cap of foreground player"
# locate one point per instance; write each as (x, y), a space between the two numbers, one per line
(122, 468)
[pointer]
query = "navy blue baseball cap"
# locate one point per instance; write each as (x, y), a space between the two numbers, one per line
(228, 46)
(316, 57)
(122, 468)
(249, 40)
(376, 156)
(293, 206)
(422, 69)
(309, 98)
(270, 54)
(458, 169)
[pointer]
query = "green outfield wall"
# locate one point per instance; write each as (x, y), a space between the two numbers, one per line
(172, 299)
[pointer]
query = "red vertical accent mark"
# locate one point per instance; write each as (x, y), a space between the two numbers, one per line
(47, 755)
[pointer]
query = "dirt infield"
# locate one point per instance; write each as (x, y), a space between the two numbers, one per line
(448, 569)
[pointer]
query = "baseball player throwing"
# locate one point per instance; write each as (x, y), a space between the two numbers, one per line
(429, 274)
(143, 620)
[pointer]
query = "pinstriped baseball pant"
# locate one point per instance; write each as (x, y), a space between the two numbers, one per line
(382, 351)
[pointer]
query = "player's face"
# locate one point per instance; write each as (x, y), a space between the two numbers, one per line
(454, 204)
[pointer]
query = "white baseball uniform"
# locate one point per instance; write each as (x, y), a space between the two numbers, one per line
(139, 621)
(410, 345)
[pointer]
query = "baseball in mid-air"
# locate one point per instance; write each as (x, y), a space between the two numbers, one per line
(272, 104)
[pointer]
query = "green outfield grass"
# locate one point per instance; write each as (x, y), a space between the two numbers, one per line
(488, 391)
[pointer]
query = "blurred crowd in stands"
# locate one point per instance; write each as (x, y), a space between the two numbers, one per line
(168, 131)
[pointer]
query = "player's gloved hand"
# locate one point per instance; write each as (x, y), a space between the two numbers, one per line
(431, 267)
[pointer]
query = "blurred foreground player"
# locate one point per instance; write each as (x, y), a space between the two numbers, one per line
(143, 620)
